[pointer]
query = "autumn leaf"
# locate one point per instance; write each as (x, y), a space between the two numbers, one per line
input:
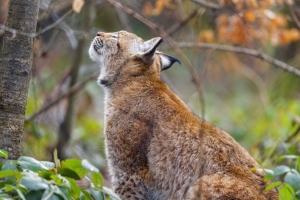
(279, 21)
(147, 8)
(249, 16)
(77, 5)
(207, 36)
(160, 5)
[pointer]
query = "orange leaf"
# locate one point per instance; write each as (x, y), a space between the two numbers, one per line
(159, 7)
(294, 34)
(279, 21)
(77, 5)
(147, 9)
(250, 16)
(222, 20)
(207, 36)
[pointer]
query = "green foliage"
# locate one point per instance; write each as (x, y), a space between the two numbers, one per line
(286, 178)
(28, 178)
(3, 154)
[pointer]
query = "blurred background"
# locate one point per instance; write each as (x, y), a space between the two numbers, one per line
(231, 73)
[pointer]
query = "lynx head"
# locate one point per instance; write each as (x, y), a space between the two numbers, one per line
(122, 55)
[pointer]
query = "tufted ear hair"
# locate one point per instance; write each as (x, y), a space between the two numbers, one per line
(148, 49)
(167, 61)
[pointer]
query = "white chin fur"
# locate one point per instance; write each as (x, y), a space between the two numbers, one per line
(95, 56)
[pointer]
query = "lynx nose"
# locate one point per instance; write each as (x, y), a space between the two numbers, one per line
(100, 34)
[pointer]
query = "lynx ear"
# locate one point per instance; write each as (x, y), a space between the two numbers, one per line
(167, 61)
(149, 48)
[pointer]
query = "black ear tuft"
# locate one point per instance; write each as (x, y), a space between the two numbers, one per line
(167, 61)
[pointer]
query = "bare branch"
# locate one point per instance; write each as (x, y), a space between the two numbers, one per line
(207, 4)
(177, 50)
(296, 121)
(124, 20)
(15, 31)
(54, 24)
(241, 50)
(179, 25)
(72, 90)
(33, 35)
(293, 14)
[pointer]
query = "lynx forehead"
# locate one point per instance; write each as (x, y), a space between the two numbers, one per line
(156, 148)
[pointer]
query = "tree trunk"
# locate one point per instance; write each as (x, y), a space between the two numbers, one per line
(15, 71)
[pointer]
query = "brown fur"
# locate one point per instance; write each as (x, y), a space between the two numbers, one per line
(156, 147)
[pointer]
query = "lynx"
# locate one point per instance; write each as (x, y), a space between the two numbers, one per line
(156, 147)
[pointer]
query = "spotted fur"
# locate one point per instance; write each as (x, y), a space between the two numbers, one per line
(156, 147)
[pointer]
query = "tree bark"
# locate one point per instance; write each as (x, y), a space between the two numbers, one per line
(15, 73)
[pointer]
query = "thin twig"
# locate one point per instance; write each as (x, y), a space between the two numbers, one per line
(293, 14)
(207, 4)
(124, 20)
(241, 50)
(177, 50)
(33, 35)
(54, 24)
(181, 24)
(72, 90)
(296, 121)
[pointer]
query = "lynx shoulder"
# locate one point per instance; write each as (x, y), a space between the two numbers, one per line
(156, 147)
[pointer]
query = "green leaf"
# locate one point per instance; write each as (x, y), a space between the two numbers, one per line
(21, 195)
(6, 182)
(46, 174)
(9, 188)
(253, 169)
(22, 188)
(4, 196)
(68, 173)
(75, 190)
(34, 183)
(34, 195)
(286, 192)
(7, 173)
(48, 164)
(84, 195)
(56, 160)
(97, 194)
(269, 175)
(298, 164)
(273, 185)
(50, 195)
(31, 164)
(88, 166)
(3, 153)
(97, 180)
(9, 165)
(281, 169)
(295, 172)
(65, 190)
(61, 181)
(76, 166)
(298, 194)
(111, 193)
(293, 179)
(59, 192)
